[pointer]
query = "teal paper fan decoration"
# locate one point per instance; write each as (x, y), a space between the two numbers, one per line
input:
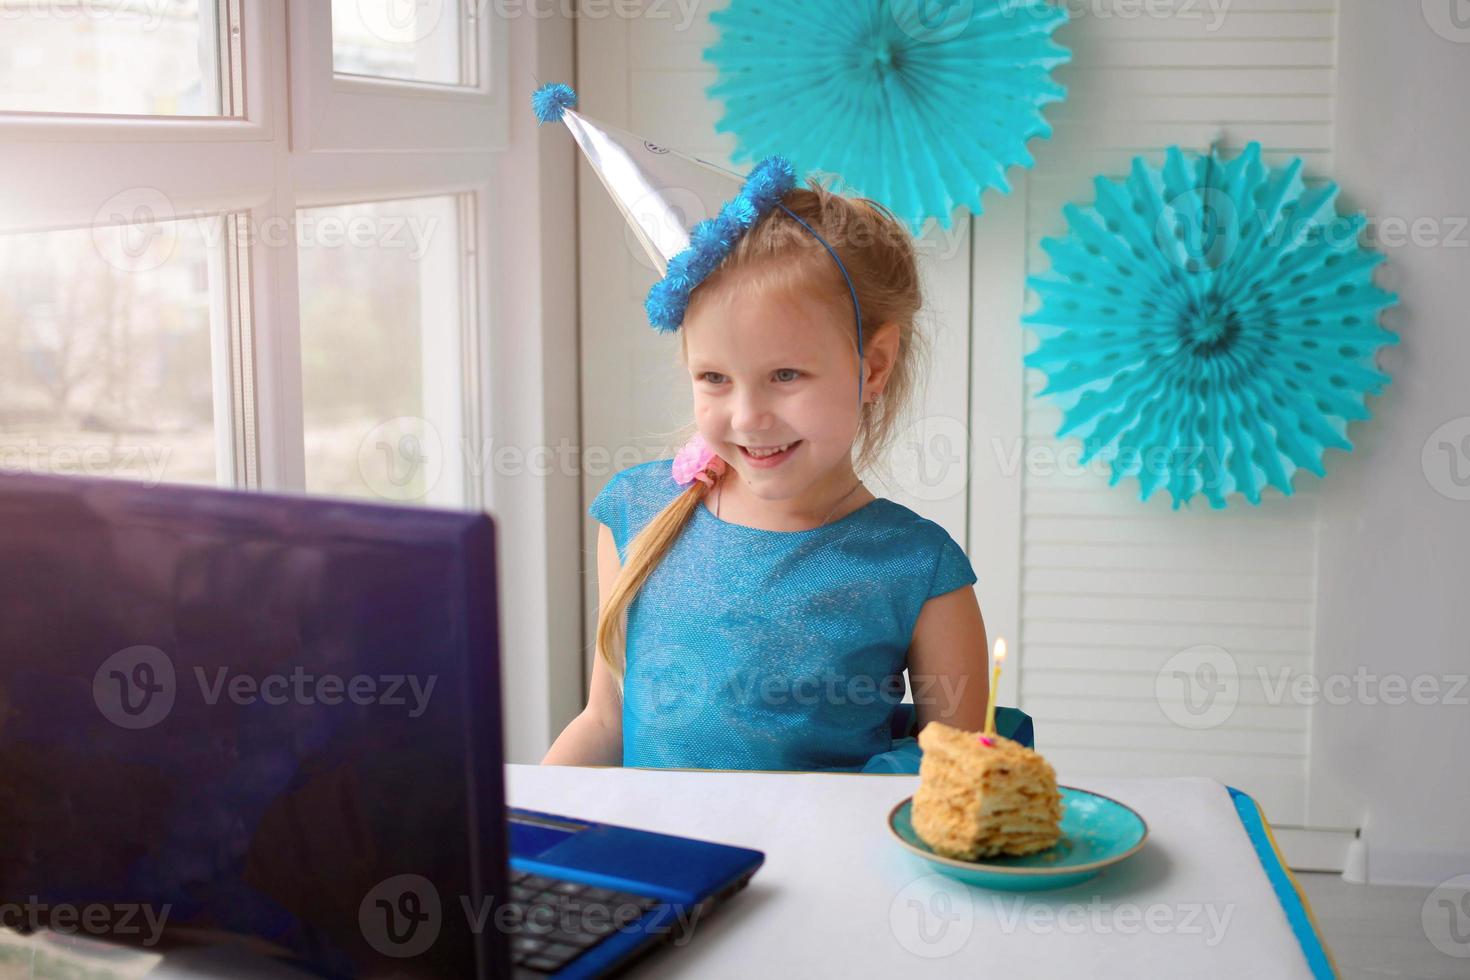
(1210, 327)
(918, 104)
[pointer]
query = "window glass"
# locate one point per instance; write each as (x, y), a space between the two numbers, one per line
(127, 57)
(381, 352)
(105, 351)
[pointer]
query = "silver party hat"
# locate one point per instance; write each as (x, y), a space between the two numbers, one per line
(686, 213)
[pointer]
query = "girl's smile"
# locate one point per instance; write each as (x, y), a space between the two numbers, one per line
(766, 457)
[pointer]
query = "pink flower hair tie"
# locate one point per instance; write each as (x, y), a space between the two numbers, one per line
(697, 461)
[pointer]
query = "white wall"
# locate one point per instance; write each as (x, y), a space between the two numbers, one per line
(1395, 551)
(534, 349)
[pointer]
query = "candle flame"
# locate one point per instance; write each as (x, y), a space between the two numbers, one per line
(1000, 649)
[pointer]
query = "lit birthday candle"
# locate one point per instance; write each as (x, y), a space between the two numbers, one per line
(1000, 654)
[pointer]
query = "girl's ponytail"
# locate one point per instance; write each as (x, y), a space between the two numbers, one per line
(645, 552)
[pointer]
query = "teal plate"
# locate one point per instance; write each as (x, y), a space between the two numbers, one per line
(1096, 832)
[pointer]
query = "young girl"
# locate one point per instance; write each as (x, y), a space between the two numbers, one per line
(771, 601)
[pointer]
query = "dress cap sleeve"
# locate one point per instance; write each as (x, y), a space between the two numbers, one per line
(952, 568)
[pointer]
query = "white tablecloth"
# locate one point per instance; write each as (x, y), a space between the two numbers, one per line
(837, 896)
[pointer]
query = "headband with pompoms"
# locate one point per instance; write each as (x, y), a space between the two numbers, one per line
(714, 238)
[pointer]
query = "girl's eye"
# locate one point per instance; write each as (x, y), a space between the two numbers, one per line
(780, 374)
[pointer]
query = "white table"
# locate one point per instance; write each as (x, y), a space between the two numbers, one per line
(838, 897)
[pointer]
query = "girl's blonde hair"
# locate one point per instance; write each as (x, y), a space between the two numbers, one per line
(777, 253)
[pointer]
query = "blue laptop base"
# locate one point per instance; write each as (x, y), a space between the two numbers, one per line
(687, 877)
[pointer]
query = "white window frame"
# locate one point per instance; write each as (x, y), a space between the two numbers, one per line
(351, 112)
(247, 32)
(59, 170)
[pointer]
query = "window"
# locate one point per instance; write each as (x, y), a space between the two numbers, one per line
(125, 58)
(196, 286)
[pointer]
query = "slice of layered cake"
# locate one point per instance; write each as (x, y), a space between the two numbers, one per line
(984, 795)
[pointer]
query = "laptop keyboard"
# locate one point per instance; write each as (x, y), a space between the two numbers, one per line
(553, 921)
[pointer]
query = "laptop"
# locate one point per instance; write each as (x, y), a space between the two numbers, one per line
(275, 721)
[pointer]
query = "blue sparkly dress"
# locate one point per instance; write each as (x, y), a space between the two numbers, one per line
(783, 650)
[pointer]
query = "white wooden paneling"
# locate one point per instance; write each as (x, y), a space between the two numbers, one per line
(1163, 81)
(1205, 27)
(1110, 587)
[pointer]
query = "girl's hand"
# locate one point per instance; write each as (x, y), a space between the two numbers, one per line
(948, 663)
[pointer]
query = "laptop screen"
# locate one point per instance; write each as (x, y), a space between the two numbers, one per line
(240, 715)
